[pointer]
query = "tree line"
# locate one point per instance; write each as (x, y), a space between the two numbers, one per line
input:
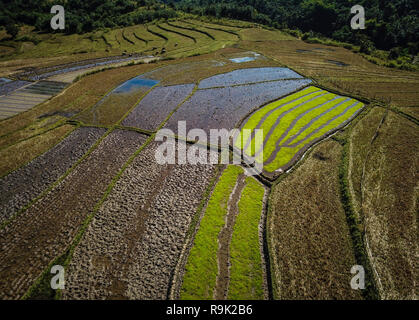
(389, 24)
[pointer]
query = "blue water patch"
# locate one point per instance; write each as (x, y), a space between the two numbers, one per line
(135, 83)
(249, 75)
(243, 59)
(4, 80)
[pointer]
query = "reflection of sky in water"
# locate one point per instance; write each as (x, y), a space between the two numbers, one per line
(134, 84)
(243, 59)
(4, 80)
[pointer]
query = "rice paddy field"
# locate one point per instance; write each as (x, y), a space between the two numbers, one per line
(81, 185)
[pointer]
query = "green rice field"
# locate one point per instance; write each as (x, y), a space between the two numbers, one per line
(294, 123)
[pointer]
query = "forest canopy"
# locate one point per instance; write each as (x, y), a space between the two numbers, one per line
(389, 24)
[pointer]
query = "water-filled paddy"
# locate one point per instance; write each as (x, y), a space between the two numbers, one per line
(157, 105)
(134, 84)
(243, 59)
(223, 108)
(250, 75)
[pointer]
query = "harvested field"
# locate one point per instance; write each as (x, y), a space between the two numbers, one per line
(293, 124)
(21, 186)
(309, 240)
(131, 248)
(156, 106)
(20, 153)
(246, 76)
(383, 176)
(225, 259)
(224, 107)
(47, 228)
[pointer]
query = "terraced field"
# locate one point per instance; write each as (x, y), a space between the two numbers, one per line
(225, 259)
(342, 70)
(81, 186)
(132, 246)
(49, 226)
(292, 124)
(111, 108)
(25, 184)
(222, 102)
(28, 96)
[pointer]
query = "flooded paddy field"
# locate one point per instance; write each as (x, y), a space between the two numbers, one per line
(156, 106)
(220, 108)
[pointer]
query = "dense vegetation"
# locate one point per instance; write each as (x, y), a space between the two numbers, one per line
(83, 16)
(389, 24)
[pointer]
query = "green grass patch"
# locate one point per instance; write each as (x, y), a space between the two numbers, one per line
(286, 153)
(246, 275)
(286, 120)
(201, 269)
(256, 117)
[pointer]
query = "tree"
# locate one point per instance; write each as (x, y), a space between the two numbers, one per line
(12, 29)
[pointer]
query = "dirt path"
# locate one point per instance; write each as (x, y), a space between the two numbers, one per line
(224, 240)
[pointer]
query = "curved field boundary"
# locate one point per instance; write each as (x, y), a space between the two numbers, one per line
(177, 32)
(289, 119)
(155, 33)
(306, 126)
(261, 115)
(218, 29)
(139, 38)
(248, 75)
(287, 144)
(275, 117)
(335, 125)
(191, 29)
(126, 38)
(268, 143)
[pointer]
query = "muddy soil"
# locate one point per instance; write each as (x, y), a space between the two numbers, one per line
(47, 228)
(156, 106)
(132, 246)
(21, 186)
